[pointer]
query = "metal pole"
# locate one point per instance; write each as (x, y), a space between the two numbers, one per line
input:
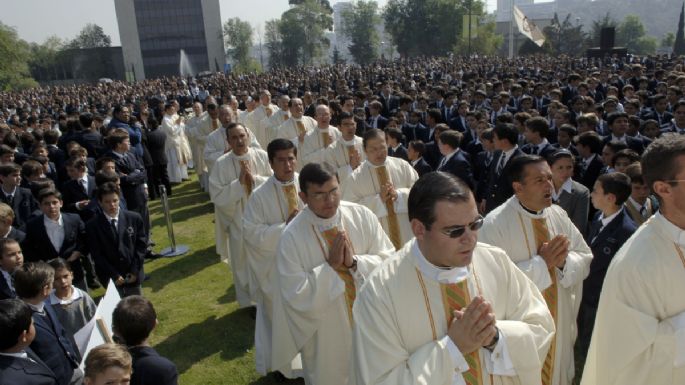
(511, 29)
(174, 250)
(470, 5)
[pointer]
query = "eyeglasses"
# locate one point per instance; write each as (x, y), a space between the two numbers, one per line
(458, 231)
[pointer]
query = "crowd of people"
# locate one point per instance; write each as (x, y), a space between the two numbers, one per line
(429, 220)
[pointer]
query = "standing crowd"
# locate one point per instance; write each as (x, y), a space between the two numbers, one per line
(435, 220)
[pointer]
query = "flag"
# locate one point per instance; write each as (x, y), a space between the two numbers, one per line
(528, 28)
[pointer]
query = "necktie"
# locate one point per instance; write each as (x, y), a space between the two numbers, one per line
(113, 228)
(300, 128)
(350, 289)
(643, 211)
(550, 294)
(291, 197)
(326, 138)
(82, 183)
(501, 163)
(456, 297)
(442, 162)
(393, 223)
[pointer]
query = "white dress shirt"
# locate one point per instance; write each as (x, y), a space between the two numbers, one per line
(55, 230)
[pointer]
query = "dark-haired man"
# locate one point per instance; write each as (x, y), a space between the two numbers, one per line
(545, 244)
(639, 332)
(446, 309)
(323, 257)
(497, 188)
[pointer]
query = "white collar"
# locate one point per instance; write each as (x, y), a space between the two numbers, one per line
(566, 186)
(396, 147)
(621, 139)
(13, 192)
(508, 153)
(350, 142)
(49, 222)
(635, 203)
(323, 130)
(21, 354)
(675, 233)
(607, 220)
(323, 224)
(8, 233)
(518, 207)
(442, 275)
(451, 154)
(37, 308)
(75, 295)
(109, 219)
(414, 162)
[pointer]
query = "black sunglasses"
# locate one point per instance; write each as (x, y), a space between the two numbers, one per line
(458, 231)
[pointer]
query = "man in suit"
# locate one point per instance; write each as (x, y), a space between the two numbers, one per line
(432, 154)
(659, 112)
(376, 120)
(117, 241)
(79, 189)
(571, 89)
(540, 101)
(33, 282)
(54, 234)
(389, 101)
(458, 122)
(133, 320)
(536, 132)
(618, 124)
(415, 155)
(156, 140)
(455, 161)
(498, 187)
(87, 136)
(641, 204)
(393, 136)
(589, 146)
(18, 363)
(132, 176)
(413, 129)
(55, 154)
(19, 198)
(610, 229)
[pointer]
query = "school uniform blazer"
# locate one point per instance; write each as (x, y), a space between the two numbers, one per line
(149, 368)
(422, 167)
(576, 204)
(132, 179)
(16, 234)
(604, 245)
(498, 188)
(120, 255)
(23, 204)
(37, 245)
(72, 193)
(5, 291)
(15, 370)
(53, 345)
(460, 166)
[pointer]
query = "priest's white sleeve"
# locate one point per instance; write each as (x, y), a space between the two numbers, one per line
(678, 324)
(536, 269)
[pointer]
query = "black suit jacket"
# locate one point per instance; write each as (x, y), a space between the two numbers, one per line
(634, 144)
(91, 141)
(456, 124)
(73, 193)
(498, 187)
(432, 156)
(401, 153)
(418, 132)
(381, 123)
(53, 345)
(589, 175)
(481, 165)
(37, 245)
(5, 291)
(604, 246)
(460, 166)
(16, 234)
(132, 178)
(23, 205)
(149, 368)
(547, 150)
(422, 167)
(15, 370)
(117, 256)
(156, 140)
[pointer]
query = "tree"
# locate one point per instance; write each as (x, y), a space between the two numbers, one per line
(485, 41)
(595, 31)
(679, 44)
(631, 34)
(427, 27)
(564, 37)
(336, 58)
(302, 29)
(359, 25)
(45, 58)
(91, 36)
(667, 40)
(238, 41)
(14, 71)
(273, 42)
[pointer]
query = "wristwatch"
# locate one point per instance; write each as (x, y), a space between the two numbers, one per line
(353, 265)
(491, 347)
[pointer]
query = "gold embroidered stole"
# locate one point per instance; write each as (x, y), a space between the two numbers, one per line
(550, 294)
(393, 222)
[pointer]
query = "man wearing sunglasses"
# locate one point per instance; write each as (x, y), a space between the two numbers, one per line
(446, 309)
(543, 242)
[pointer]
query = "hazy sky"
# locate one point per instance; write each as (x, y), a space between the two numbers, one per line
(35, 20)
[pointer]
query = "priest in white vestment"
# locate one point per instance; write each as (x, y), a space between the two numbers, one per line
(177, 161)
(297, 126)
(639, 333)
(382, 184)
(447, 310)
(324, 256)
(270, 208)
(208, 124)
(347, 153)
(316, 142)
(192, 122)
(543, 242)
(217, 145)
(254, 119)
(233, 178)
(271, 123)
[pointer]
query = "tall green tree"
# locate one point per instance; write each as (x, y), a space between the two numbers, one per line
(359, 25)
(679, 44)
(273, 42)
(14, 71)
(667, 40)
(485, 40)
(238, 41)
(427, 27)
(631, 34)
(302, 30)
(45, 58)
(564, 37)
(91, 36)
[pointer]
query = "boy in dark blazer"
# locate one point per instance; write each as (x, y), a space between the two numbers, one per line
(415, 154)
(79, 189)
(117, 242)
(33, 282)
(608, 232)
(393, 136)
(11, 258)
(54, 234)
(18, 198)
(133, 320)
(18, 363)
(455, 161)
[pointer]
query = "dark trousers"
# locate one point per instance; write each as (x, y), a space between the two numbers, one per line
(586, 323)
(158, 176)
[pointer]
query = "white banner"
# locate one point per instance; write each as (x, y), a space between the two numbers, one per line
(528, 28)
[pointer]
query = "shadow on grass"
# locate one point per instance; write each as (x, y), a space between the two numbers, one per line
(231, 336)
(183, 267)
(270, 380)
(229, 296)
(181, 215)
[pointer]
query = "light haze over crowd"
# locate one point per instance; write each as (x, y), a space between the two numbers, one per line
(35, 20)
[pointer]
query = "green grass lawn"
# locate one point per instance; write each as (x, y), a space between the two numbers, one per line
(200, 327)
